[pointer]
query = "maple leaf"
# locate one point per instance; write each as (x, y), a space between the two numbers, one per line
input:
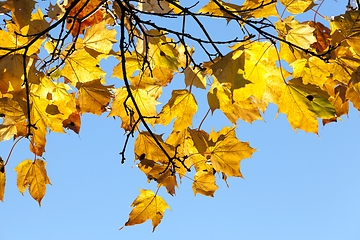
(190, 144)
(349, 27)
(36, 25)
(12, 72)
(56, 11)
(157, 6)
(144, 100)
(7, 129)
(21, 11)
(322, 34)
(301, 35)
(180, 100)
(82, 67)
(99, 38)
(312, 70)
(146, 145)
(204, 183)
(147, 206)
(73, 122)
(298, 6)
(2, 179)
(227, 153)
(195, 76)
(257, 11)
(93, 96)
(82, 9)
(159, 173)
(303, 103)
(32, 174)
(133, 62)
(10, 108)
(213, 9)
(160, 49)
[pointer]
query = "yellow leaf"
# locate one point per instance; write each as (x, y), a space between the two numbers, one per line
(152, 86)
(10, 108)
(302, 36)
(213, 9)
(195, 77)
(146, 145)
(33, 175)
(256, 11)
(7, 129)
(163, 74)
(298, 6)
(312, 70)
(82, 67)
(303, 103)
(147, 206)
(133, 62)
(204, 183)
(161, 50)
(99, 38)
(12, 72)
(36, 25)
(145, 101)
(180, 100)
(156, 172)
(21, 11)
(93, 97)
(187, 146)
(226, 155)
(2, 179)
(349, 26)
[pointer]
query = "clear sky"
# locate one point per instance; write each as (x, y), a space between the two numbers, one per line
(297, 185)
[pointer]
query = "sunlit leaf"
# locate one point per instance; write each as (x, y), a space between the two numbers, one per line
(147, 206)
(32, 175)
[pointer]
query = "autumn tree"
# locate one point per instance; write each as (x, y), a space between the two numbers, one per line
(50, 75)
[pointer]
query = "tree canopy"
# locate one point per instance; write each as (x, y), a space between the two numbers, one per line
(52, 71)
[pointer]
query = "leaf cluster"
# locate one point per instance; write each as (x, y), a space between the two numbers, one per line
(51, 73)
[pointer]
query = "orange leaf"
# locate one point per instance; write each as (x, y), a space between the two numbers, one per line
(73, 122)
(95, 17)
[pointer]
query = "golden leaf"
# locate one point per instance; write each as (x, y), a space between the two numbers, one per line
(147, 206)
(303, 103)
(213, 9)
(99, 38)
(302, 36)
(180, 100)
(33, 175)
(349, 26)
(146, 145)
(226, 155)
(93, 97)
(160, 49)
(204, 183)
(256, 11)
(7, 129)
(298, 6)
(156, 172)
(82, 67)
(146, 103)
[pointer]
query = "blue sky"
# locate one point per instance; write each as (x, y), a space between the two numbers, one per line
(297, 185)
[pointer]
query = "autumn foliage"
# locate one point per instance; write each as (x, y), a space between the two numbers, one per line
(50, 75)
